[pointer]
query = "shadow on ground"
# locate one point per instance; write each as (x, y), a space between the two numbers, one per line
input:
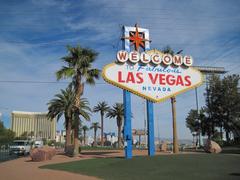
(98, 153)
(231, 150)
(234, 174)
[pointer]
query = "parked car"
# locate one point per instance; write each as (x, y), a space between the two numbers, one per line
(20, 147)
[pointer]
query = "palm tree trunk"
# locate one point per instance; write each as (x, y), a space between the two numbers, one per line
(119, 136)
(95, 137)
(221, 131)
(213, 128)
(76, 140)
(68, 132)
(84, 137)
(227, 136)
(102, 129)
(79, 91)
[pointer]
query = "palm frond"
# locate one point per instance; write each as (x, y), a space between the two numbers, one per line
(65, 72)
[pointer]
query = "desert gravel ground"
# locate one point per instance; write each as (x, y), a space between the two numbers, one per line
(23, 168)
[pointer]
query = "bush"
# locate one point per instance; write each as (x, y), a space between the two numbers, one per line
(51, 143)
(44, 141)
(107, 143)
(217, 138)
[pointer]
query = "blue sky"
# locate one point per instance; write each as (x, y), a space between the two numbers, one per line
(34, 35)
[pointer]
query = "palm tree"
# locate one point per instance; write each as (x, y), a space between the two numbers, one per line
(95, 126)
(84, 112)
(79, 67)
(101, 107)
(32, 134)
(24, 135)
(40, 134)
(63, 104)
(85, 129)
(117, 111)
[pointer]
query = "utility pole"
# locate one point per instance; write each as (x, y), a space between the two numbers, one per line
(175, 138)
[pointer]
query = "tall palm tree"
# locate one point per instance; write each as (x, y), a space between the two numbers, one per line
(63, 104)
(101, 107)
(117, 111)
(95, 126)
(79, 67)
(85, 129)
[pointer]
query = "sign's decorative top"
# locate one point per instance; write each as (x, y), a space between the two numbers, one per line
(150, 74)
(137, 38)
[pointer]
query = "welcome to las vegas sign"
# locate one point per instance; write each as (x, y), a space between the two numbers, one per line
(152, 75)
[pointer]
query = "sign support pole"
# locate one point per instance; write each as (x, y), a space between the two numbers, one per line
(127, 131)
(175, 138)
(150, 124)
(127, 124)
(150, 117)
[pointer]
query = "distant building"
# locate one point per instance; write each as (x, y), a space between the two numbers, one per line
(36, 124)
(60, 136)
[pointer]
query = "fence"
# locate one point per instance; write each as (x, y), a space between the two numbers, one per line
(5, 153)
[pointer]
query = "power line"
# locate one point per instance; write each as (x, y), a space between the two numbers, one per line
(40, 82)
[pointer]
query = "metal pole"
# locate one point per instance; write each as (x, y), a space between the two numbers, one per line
(127, 113)
(145, 123)
(127, 124)
(150, 123)
(199, 129)
(150, 118)
(175, 138)
(158, 132)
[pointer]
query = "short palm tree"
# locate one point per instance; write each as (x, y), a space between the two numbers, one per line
(101, 107)
(84, 111)
(95, 126)
(40, 134)
(32, 134)
(117, 111)
(85, 129)
(63, 104)
(78, 67)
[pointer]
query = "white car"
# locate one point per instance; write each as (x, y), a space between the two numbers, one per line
(22, 147)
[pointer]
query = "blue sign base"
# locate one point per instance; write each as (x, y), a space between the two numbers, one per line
(150, 118)
(127, 124)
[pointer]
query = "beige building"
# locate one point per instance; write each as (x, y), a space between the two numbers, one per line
(36, 124)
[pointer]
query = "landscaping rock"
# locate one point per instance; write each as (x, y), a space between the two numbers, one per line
(42, 154)
(212, 147)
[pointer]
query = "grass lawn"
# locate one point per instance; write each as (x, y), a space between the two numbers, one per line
(164, 167)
